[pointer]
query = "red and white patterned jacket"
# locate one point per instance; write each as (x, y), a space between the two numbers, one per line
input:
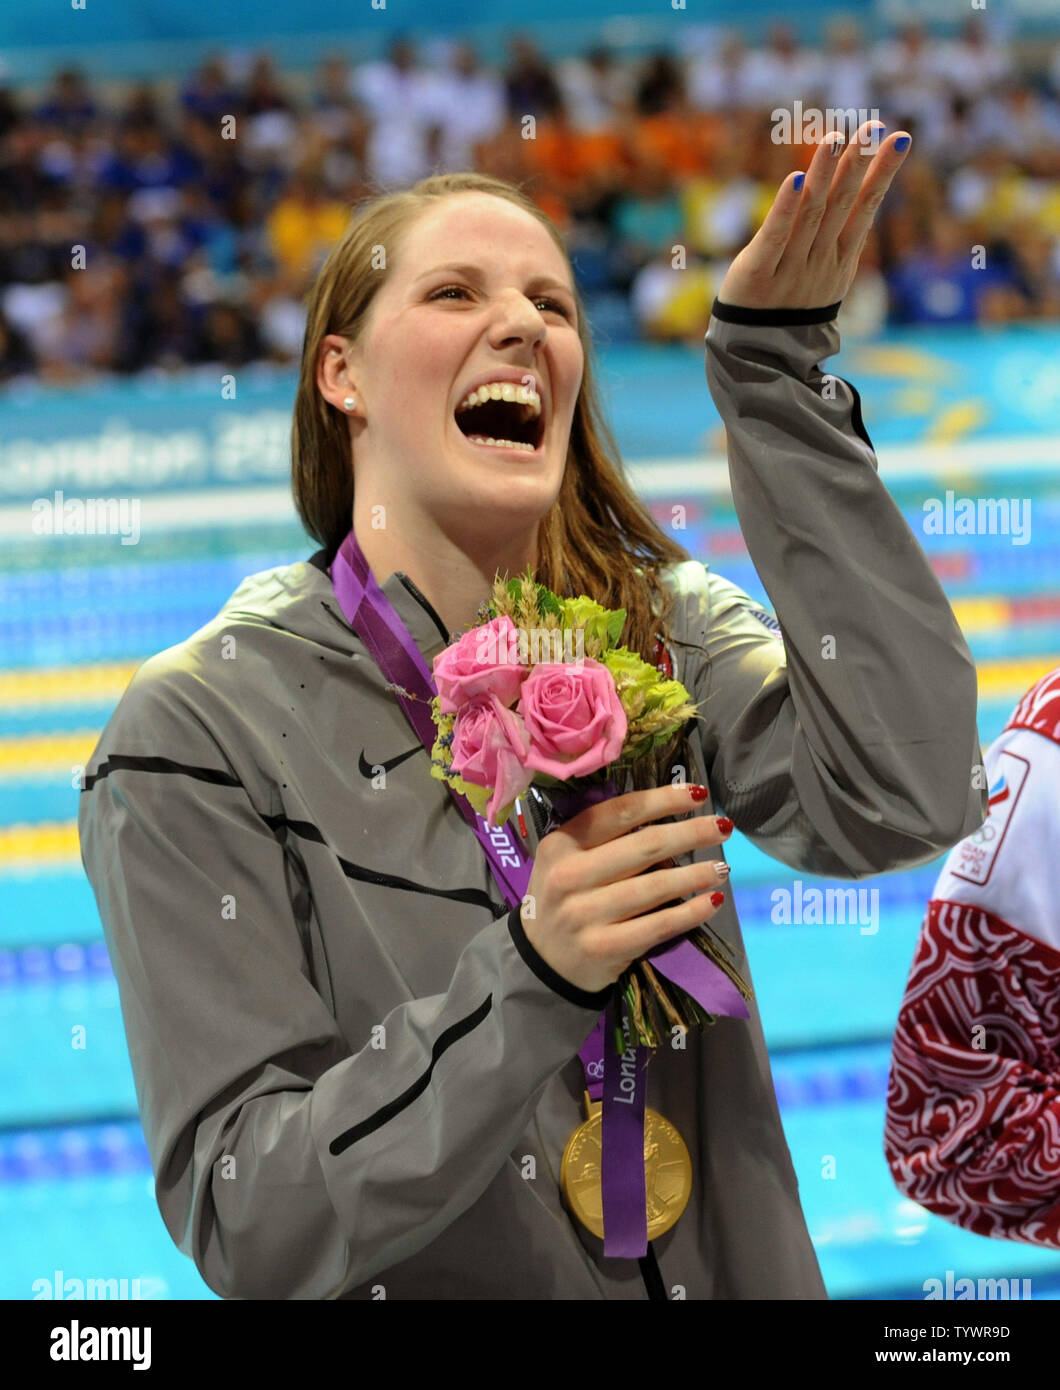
(973, 1102)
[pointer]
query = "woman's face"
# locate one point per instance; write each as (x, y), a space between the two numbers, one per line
(478, 294)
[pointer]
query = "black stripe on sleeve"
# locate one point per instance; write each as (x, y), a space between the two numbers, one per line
(855, 415)
(306, 830)
(133, 762)
(387, 1112)
(547, 975)
(773, 318)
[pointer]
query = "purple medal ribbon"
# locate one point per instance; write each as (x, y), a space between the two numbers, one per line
(620, 1079)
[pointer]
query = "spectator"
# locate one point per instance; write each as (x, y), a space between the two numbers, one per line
(910, 72)
(667, 129)
(845, 74)
(977, 62)
(9, 112)
(723, 208)
(85, 336)
(469, 107)
(142, 108)
(783, 71)
(212, 234)
(70, 158)
(977, 190)
(23, 180)
(305, 224)
(210, 95)
(113, 234)
(399, 98)
(221, 172)
(939, 284)
(145, 157)
(863, 312)
(581, 169)
(227, 337)
(1030, 257)
(1024, 124)
(723, 81)
(597, 90)
(661, 86)
(335, 114)
(30, 308)
(531, 88)
(648, 215)
(17, 358)
(69, 104)
(671, 303)
(270, 118)
(169, 237)
(960, 140)
(165, 333)
(277, 305)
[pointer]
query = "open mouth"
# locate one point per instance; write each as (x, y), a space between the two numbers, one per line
(502, 415)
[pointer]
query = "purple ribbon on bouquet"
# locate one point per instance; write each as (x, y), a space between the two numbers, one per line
(373, 617)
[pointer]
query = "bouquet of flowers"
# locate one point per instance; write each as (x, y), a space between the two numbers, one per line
(540, 693)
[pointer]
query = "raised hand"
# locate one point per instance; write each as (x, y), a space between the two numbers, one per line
(806, 252)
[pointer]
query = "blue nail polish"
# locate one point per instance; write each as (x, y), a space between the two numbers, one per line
(800, 179)
(902, 143)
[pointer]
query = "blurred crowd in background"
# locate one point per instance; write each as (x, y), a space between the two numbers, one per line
(199, 249)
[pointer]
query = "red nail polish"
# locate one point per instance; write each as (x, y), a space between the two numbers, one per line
(725, 825)
(716, 899)
(699, 793)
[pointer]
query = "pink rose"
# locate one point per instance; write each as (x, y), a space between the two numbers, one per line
(477, 664)
(489, 749)
(574, 717)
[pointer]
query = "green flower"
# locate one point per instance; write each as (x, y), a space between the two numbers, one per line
(631, 672)
(665, 696)
(605, 624)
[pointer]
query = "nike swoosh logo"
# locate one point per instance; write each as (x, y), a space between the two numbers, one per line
(365, 766)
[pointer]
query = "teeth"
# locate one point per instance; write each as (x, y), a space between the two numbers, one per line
(501, 443)
(503, 391)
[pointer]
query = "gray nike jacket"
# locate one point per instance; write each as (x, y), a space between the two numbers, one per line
(355, 1074)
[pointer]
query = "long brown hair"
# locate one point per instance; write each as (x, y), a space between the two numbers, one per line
(597, 538)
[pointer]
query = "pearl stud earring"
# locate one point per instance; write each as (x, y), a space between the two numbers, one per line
(350, 402)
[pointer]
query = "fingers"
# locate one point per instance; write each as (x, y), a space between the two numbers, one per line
(882, 169)
(765, 249)
(847, 165)
(842, 193)
(633, 897)
(628, 855)
(627, 941)
(792, 224)
(618, 853)
(621, 814)
(829, 158)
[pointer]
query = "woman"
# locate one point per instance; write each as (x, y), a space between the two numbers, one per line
(356, 1066)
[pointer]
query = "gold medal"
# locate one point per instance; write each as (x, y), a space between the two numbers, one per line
(667, 1172)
